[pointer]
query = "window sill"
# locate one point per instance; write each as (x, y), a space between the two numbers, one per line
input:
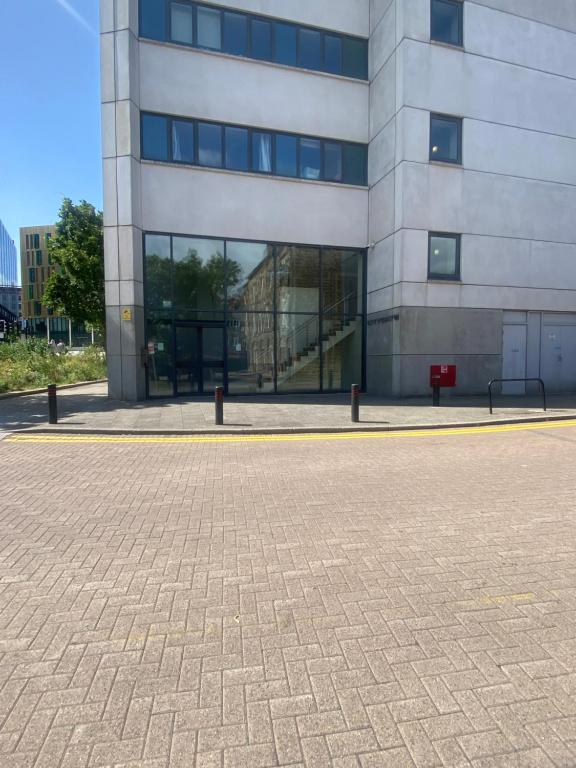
(450, 46)
(445, 164)
(273, 64)
(445, 280)
(251, 174)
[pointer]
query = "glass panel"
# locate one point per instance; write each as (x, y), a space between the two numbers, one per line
(261, 40)
(153, 19)
(39, 258)
(444, 139)
(443, 260)
(341, 352)
(182, 141)
(32, 275)
(36, 241)
(237, 149)
(160, 369)
(198, 273)
(298, 348)
(250, 276)
(355, 58)
(250, 353)
(158, 272)
(310, 158)
(446, 22)
(188, 363)
(332, 161)
(154, 137)
(298, 279)
(286, 155)
(181, 23)
(235, 34)
(342, 281)
(286, 44)
(210, 145)
(209, 28)
(310, 49)
(262, 152)
(212, 346)
(355, 164)
(333, 54)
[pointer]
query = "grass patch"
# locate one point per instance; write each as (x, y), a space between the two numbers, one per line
(33, 363)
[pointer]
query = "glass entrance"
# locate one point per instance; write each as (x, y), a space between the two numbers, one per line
(199, 358)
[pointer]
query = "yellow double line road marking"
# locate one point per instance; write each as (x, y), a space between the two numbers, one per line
(280, 438)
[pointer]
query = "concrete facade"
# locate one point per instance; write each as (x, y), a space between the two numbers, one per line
(512, 200)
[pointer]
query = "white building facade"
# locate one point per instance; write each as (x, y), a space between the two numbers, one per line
(305, 194)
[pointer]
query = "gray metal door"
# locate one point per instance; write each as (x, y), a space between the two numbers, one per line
(514, 358)
(559, 357)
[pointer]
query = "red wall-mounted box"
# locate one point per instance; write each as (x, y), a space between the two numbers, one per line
(442, 375)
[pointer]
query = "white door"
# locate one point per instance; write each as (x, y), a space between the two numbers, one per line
(559, 357)
(514, 359)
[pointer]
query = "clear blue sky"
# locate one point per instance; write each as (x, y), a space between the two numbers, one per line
(49, 109)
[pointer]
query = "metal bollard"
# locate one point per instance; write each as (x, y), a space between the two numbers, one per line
(52, 405)
(436, 392)
(219, 402)
(355, 402)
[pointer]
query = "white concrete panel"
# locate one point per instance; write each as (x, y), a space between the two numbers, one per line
(380, 265)
(412, 135)
(130, 261)
(383, 97)
(131, 293)
(107, 67)
(111, 253)
(450, 199)
(123, 127)
(226, 88)
(110, 192)
(444, 80)
(380, 301)
(381, 217)
(558, 13)
(221, 204)
(112, 292)
(413, 20)
(378, 9)
(128, 190)
(125, 69)
(106, 16)
(383, 41)
(381, 153)
(412, 256)
(108, 128)
(519, 40)
(127, 15)
(349, 16)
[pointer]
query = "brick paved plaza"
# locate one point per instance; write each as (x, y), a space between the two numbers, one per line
(355, 603)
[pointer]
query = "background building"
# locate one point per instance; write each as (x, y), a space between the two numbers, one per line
(11, 299)
(8, 259)
(36, 267)
(338, 191)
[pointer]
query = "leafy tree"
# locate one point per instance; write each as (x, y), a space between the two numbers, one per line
(76, 289)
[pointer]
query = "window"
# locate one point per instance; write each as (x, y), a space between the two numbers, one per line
(333, 54)
(37, 308)
(354, 58)
(182, 141)
(262, 152)
(310, 158)
(285, 36)
(443, 256)
(209, 28)
(39, 258)
(261, 40)
(354, 164)
(181, 23)
(237, 149)
(36, 241)
(30, 291)
(32, 275)
(446, 139)
(154, 137)
(310, 49)
(332, 161)
(286, 155)
(210, 145)
(235, 34)
(153, 19)
(447, 21)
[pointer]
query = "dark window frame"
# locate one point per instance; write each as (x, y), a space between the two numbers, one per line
(457, 276)
(447, 119)
(258, 17)
(251, 131)
(456, 4)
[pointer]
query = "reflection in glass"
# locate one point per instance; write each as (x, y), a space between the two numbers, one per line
(181, 23)
(261, 39)
(298, 349)
(444, 257)
(298, 279)
(262, 152)
(158, 268)
(153, 19)
(310, 49)
(210, 145)
(198, 273)
(333, 54)
(332, 161)
(341, 352)
(310, 158)
(341, 281)
(188, 368)
(183, 141)
(154, 137)
(355, 58)
(447, 21)
(286, 155)
(445, 139)
(251, 353)
(209, 32)
(250, 276)
(237, 149)
(235, 33)
(160, 369)
(355, 164)
(285, 38)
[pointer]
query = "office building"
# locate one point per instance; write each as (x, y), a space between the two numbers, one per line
(11, 300)
(8, 258)
(36, 267)
(302, 195)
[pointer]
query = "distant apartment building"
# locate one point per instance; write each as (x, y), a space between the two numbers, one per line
(8, 259)
(301, 195)
(36, 267)
(11, 299)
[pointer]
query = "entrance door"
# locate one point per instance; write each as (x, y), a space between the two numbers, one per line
(199, 358)
(514, 359)
(559, 357)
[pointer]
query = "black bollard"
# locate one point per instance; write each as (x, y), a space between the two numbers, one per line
(219, 402)
(52, 405)
(436, 391)
(355, 402)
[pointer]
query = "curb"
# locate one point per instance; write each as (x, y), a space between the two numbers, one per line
(294, 430)
(42, 390)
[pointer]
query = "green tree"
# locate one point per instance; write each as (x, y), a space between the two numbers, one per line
(76, 289)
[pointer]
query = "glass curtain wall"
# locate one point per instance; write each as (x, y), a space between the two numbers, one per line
(292, 316)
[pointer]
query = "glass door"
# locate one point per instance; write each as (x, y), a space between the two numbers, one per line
(199, 358)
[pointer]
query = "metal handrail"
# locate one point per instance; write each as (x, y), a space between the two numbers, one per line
(506, 381)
